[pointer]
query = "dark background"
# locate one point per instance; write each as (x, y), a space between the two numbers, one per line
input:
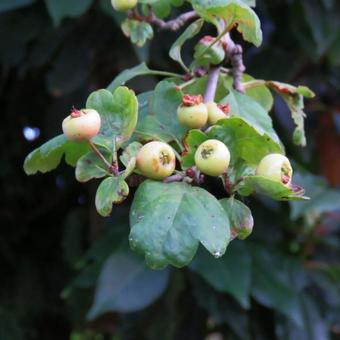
(49, 62)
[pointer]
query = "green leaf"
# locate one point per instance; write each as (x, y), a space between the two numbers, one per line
(66, 8)
(230, 274)
(131, 151)
(161, 123)
(112, 190)
(90, 166)
(169, 220)
(235, 13)
(240, 217)
(252, 112)
(125, 285)
(118, 110)
(275, 190)
(190, 32)
(191, 142)
(49, 155)
(323, 198)
(260, 94)
(139, 70)
(243, 140)
(8, 5)
(273, 281)
(294, 99)
(162, 8)
(138, 31)
(251, 3)
(130, 167)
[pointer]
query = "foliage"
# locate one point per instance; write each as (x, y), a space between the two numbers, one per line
(280, 283)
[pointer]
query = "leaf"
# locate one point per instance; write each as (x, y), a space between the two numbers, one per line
(161, 123)
(314, 326)
(323, 198)
(66, 8)
(190, 32)
(252, 112)
(275, 190)
(261, 94)
(235, 13)
(118, 111)
(131, 151)
(9, 5)
(191, 142)
(139, 70)
(243, 140)
(125, 285)
(138, 31)
(240, 217)
(169, 220)
(272, 281)
(162, 8)
(90, 166)
(49, 155)
(111, 190)
(229, 274)
(294, 99)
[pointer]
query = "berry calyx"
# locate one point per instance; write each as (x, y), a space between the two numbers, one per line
(81, 125)
(123, 5)
(212, 157)
(213, 55)
(275, 167)
(192, 113)
(217, 112)
(156, 160)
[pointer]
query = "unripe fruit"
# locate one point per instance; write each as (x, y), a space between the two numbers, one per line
(275, 167)
(217, 112)
(192, 113)
(213, 55)
(123, 5)
(81, 124)
(156, 160)
(212, 157)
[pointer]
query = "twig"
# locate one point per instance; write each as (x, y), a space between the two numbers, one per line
(172, 25)
(174, 178)
(210, 90)
(101, 157)
(235, 54)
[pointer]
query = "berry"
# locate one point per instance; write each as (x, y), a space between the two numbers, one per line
(212, 157)
(213, 55)
(192, 113)
(81, 124)
(217, 112)
(123, 5)
(156, 160)
(275, 167)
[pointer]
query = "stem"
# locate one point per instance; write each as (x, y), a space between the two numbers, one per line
(115, 167)
(174, 178)
(100, 155)
(210, 90)
(172, 25)
(235, 54)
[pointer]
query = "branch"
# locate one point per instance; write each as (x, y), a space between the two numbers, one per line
(171, 25)
(235, 54)
(210, 90)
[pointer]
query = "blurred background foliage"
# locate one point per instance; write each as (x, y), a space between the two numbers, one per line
(281, 283)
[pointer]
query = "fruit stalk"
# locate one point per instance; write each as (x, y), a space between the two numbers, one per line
(110, 167)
